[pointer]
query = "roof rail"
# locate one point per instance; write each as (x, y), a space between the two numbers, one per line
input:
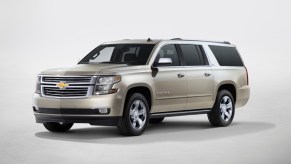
(224, 42)
(176, 39)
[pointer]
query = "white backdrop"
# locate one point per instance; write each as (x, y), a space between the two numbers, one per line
(54, 33)
(39, 34)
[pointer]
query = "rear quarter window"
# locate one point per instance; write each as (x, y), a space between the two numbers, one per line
(226, 56)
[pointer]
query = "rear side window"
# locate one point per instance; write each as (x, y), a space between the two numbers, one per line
(226, 56)
(190, 54)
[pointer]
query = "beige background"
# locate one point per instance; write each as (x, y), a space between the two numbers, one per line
(38, 34)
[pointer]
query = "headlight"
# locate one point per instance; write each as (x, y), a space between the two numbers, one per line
(104, 84)
(37, 87)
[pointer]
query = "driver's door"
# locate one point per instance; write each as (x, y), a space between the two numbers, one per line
(170, 82)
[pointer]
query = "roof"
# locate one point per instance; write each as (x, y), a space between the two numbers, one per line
(155, 41)
(135, 41)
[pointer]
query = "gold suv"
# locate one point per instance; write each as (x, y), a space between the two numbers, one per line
(132, 83)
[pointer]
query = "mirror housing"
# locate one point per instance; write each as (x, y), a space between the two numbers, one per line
(163, 62)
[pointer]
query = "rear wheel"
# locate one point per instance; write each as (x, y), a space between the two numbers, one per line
(57, 126)
(135, 115)
(223, 110)
(156, 120)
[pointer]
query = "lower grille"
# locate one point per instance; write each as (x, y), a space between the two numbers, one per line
(67, 92)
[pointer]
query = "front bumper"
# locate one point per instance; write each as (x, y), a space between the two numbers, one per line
(112, 101)
(90, 116)
(79, 110)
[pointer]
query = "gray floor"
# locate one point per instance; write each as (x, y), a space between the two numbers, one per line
(260, 133)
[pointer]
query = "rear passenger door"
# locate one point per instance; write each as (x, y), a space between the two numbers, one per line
(199, 77)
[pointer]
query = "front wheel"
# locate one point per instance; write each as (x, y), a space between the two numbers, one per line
(223, 110)
(135, 116)
(57, 126)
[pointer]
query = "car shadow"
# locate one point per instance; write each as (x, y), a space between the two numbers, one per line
(171, 130)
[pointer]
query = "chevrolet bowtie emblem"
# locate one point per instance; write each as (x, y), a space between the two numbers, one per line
(62, 85)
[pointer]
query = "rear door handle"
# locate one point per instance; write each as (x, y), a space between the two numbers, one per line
(181, 75)
(207, 74)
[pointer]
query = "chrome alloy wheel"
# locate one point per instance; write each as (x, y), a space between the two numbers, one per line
(226, 108)
(137, 114)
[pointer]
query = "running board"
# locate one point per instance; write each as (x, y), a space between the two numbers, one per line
(179, 113)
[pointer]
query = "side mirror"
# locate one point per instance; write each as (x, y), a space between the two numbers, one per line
(164, 62)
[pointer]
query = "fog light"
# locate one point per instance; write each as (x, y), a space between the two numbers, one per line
(103, 110)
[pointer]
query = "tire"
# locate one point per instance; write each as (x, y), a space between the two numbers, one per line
(135, 115)
(156, 120)
(57, 126)
(223, 110)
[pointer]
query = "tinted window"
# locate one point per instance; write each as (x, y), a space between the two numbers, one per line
(191, 55)
(226, 56)
(168, 51)
(202, 55)
(131, 54)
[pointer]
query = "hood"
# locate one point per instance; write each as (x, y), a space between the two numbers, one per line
(91, 69)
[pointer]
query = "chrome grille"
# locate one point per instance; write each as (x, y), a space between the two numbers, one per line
(67, 79)
(78, 86)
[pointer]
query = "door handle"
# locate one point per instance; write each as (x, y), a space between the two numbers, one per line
(207, 74)
(180, 75)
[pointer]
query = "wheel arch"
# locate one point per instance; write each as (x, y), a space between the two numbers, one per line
(141, 88)
(229, 86)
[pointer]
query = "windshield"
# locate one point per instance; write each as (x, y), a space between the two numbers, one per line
(131, 54)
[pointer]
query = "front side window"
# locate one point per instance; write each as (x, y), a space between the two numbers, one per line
(131, 54)
(168, 51)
